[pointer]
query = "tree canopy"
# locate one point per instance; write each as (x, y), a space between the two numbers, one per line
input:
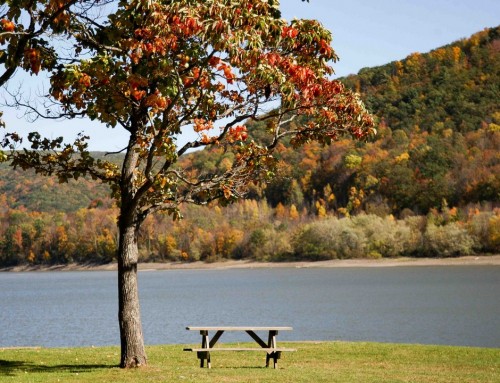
(159, 68)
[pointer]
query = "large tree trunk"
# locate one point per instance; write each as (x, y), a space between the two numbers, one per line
(133, 353)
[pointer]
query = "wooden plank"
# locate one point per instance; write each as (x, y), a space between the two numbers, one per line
(268, 350)
(238, 328)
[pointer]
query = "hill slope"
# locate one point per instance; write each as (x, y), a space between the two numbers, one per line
(454, 87)
(438, 139)
(25, 189)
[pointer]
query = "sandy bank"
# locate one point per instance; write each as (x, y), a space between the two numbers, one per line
(245, 264)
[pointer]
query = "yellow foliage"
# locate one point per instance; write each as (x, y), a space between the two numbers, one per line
(280, 211)
(371, 181)
(399, 68)
(31, 257)
(475, 40)
(414, 62)
(106, 242)
(457, 52)
(494, 127)
(226, 164)
(320, 208)
(306, 180)
(402, 157)
(494, 230)
(439, 54)
(321, 211)
(226, 240)
(496, 117)
(447, 133)
(356, 203)
(170, 243)
(343, 211)
(352, 161)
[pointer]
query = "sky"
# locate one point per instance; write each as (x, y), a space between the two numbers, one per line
(366, 33)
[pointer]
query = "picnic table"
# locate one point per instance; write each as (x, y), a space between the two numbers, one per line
(270, 347)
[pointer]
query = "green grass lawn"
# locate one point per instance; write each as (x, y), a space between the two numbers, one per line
(313, 362)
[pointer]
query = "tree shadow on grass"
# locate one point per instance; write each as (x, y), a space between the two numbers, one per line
(15, 367)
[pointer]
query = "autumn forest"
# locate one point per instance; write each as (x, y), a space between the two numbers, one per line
(428, 184)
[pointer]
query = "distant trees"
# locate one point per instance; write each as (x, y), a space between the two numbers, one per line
(401, 170)
(247, 230)
(85, 236)
(395, 173)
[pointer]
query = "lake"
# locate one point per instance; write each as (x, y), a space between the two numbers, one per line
(451, 305)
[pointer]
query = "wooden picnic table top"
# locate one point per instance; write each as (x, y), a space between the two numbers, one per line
(238, 328)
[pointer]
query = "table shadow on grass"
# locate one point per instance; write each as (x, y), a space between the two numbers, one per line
(14, 367)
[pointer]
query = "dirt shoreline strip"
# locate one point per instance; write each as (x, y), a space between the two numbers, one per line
(493, 260)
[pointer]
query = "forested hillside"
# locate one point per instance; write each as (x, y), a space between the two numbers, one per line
(453, 87)
(428, 183)
(439, 136)
(32, 192)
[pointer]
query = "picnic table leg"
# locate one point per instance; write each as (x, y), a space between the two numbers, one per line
(205, 342)
(208, 344)
(271, 343)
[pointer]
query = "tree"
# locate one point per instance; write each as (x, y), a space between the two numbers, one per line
(160, 68)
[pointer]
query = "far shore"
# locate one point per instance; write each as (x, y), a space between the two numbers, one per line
(483, 260)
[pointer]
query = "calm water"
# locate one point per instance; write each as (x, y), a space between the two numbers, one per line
(457, 305)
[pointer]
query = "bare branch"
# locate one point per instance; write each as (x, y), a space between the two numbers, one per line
(33, 110)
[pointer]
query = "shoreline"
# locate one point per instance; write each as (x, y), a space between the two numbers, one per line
(483, 260)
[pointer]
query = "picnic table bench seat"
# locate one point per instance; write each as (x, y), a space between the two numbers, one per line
(268, 350)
